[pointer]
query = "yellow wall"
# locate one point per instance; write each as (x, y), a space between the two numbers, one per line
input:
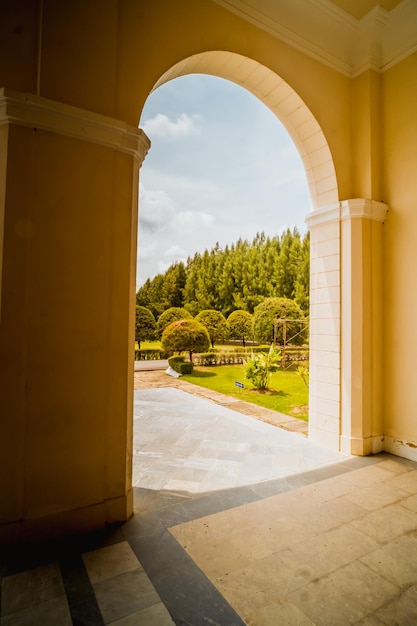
(400, 296)
(201, 25)
(366, 136)
(107, 60)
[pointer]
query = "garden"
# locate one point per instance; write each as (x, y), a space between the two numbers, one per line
(260, 358)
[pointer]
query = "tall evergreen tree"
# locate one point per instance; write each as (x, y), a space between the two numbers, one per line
(236, 277)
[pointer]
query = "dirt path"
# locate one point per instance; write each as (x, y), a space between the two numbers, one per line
(158, 379)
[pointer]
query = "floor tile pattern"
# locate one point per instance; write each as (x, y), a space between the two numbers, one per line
(318, 539)
(336, 552)
(35, 596)
(123, 590)
(204, 447)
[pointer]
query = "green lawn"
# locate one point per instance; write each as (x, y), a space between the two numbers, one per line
(150, 345)
(288, 393)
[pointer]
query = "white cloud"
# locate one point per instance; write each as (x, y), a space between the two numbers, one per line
(146, 252)
(176, 251)
(163, 266)
(195, 218)
(156, 209)
(235, 172)
(195, 187)
(162, 126)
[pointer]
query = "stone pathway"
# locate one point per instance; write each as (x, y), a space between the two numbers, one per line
(149, 379)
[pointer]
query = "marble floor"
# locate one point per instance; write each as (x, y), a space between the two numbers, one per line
(237, 522)
(185, 443)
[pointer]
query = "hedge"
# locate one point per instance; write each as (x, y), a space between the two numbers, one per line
(219, 358)
(150, 354)
(178, 364)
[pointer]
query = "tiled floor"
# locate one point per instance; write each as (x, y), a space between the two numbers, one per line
(320, 540)
(336, 552)
(184, 443)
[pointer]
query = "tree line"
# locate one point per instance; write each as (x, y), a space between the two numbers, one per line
(237, 277)
(275, 320)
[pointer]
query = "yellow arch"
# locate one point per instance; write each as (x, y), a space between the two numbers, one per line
(283, 101)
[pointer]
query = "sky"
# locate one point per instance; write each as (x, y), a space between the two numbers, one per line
(221, 166)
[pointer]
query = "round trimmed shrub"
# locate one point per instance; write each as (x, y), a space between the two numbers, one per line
(186, 335)
(172, 314)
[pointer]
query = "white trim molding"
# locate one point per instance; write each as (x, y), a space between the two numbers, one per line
(362, 446)
(323, 215)
(356, 207)
(327, 33)
(33, 111)
(359, 207)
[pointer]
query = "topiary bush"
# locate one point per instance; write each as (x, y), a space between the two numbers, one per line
(186, 368)
(173, 314)
(185, 335)
(216, 324)
(240, 325)
(266, 314)
(180, 365)
(145, 325)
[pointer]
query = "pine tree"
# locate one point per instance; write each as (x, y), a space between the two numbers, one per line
(238, 277)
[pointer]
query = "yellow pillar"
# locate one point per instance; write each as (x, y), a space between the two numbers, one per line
(362, 428)
(68, 218)
(346, 326)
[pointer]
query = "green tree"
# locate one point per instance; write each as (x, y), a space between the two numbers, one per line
(150, 295)
(186, 335)
(266, 314)
(191, 284)
(240, 325)
(173, 287)
(216, 324)
(260, 366)
(302, 283)
(236, 277)
(145, 324)
(173, 314)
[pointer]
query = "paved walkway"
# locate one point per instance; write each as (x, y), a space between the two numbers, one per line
(151, 366)
(156, 378)
(184, 443)
(320, 538)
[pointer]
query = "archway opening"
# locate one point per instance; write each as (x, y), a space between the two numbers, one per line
(221, 168)
(284, 103)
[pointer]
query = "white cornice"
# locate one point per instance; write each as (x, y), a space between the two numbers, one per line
(35, 112)
(359, 207)
(348, 209)
(323, 215)
(332, 36)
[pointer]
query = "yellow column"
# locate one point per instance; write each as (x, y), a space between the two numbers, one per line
(68, 218)
(346, 326)
(362, 426)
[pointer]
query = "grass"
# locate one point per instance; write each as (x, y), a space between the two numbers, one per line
(154, 345)
(150, 345)
(287, 394)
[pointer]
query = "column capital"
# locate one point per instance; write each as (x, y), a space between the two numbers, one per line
(323, 215)
(346, 209)
(26, 109)
(359, 207)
